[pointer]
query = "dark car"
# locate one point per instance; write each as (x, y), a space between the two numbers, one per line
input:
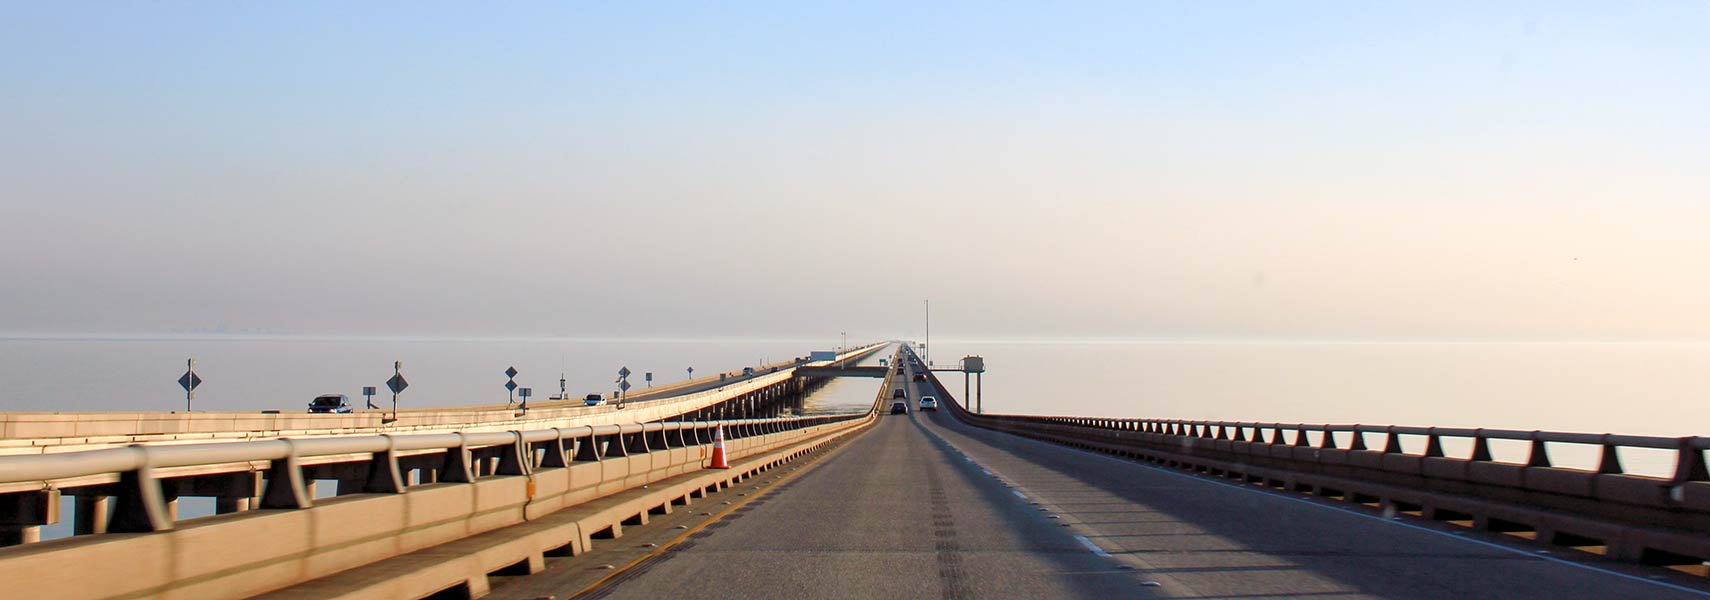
(920, 377)
(900, 393)
(899, 408)
(329, 404)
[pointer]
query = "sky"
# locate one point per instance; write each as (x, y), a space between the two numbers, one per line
(1122, 170)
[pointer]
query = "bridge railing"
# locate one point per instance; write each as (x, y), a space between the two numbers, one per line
(1441, 473)
(134, 488)
(551, 492)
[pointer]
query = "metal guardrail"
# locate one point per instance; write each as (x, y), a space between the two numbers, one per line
(1653, 520)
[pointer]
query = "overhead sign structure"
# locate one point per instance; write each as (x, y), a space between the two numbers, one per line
(189, 381)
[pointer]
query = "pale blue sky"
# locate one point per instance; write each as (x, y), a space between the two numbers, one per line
(1432, 169)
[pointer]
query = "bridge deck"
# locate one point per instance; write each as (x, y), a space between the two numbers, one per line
(925, 506)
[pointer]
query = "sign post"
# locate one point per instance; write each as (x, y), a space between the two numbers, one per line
(525, 393)
(511, 385)
(397, 385)
(649, 376)
(623, 384)
(368, 391)
(189, 380)
(691, 372)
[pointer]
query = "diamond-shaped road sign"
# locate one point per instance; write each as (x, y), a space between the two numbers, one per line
(511, 385)
(511, 372)
(397, 383)
(189, 381)
(623, 372)
(623, 385)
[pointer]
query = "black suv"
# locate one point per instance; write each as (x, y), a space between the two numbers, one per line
(899, 408)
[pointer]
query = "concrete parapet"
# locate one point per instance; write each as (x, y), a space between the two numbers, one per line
(254, 552)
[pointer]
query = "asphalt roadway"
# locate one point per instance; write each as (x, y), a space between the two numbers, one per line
(923, 506)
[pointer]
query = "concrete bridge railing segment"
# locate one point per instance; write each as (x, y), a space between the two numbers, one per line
(1652, 520)
(397, 495)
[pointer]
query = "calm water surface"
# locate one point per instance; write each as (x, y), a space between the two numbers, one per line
(1632, 388)
(242, 373)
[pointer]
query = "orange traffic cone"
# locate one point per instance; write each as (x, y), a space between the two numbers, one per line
(718, 460)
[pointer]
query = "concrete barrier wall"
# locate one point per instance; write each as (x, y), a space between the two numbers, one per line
(245, 554)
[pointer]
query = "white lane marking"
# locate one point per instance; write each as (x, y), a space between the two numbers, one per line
(1091, 546)
(1450, 535)
(985, 471)
(1018, 494)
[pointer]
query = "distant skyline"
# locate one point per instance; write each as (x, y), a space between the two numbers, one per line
(1315, 170)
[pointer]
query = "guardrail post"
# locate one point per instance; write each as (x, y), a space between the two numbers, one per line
(555, 452)
(383, 474)
(1610, 462)
(637, 443)
(1259, 434)
(1433, 444)
(1300, 440)
(1540, 455)
(1688, 463)
(588, 448)
(285, 487)
(513, 460)
(1239, 436)
(1480, 447)
(1329, 441)
(456, 468)
(613, 446)
(140, 506)
(1359, 441)
(1391, 441)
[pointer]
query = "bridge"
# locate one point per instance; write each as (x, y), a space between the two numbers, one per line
(944, 504)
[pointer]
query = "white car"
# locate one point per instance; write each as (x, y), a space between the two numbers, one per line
(929, 403)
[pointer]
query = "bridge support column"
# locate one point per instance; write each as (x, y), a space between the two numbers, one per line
(91, 514)
(23, 514)
(224, 506)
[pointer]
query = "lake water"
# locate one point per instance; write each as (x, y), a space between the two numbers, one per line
(1633, 388)
(249, 373)
(1630, 388)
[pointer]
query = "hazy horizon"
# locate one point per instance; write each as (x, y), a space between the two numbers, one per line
(1406, 171)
